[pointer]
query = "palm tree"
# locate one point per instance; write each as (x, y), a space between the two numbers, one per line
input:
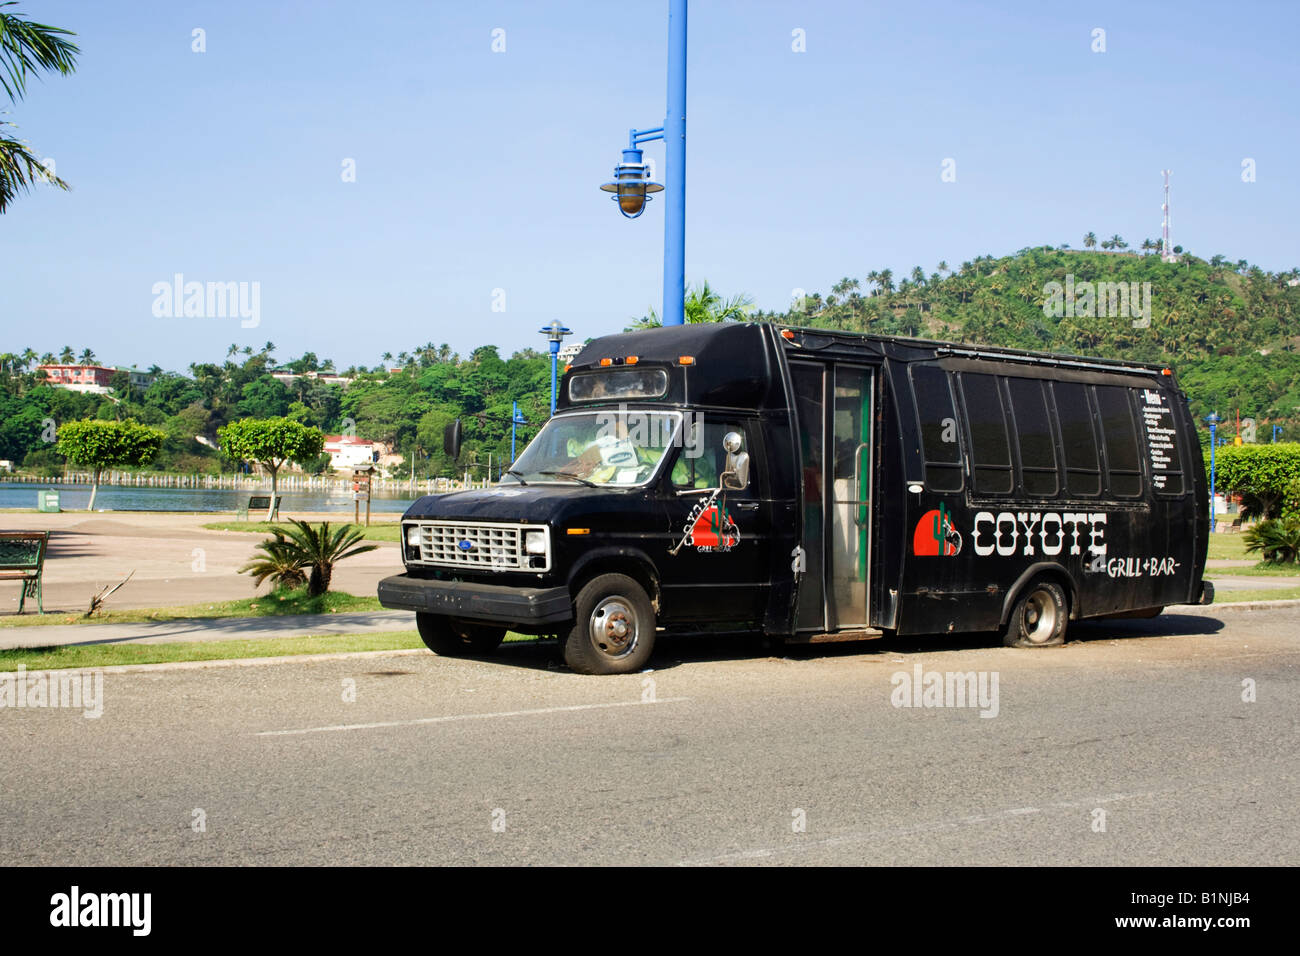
(280, 561)
(28, 356)
(703, 304)
(27, 48)
(1117, 242)
(1090, 240)
(67, 356)
(320, 549)
(942, 266)
(886, 280)
(87, 357)
(386, 357)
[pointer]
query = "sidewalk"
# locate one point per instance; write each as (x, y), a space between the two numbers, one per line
(206, 629)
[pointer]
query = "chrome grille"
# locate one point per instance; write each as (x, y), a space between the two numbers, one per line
(492, 547)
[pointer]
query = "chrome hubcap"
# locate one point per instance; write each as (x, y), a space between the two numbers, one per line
(1040, 617)
(613, 627)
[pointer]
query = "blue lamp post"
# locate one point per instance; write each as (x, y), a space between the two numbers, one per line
(632, 187)
(517, 419)
(1212, 420)
(555, 334)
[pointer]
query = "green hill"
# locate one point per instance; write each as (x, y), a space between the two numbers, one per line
(1230, 330)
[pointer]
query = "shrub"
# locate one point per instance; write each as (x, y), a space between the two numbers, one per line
(1276, 539)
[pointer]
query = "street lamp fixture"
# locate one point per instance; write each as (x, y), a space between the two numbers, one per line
(632, 185)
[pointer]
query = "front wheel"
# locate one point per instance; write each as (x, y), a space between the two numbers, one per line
(614, 627)
(448, 637)
(1039, 616)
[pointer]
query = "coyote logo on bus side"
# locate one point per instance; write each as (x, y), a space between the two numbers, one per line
(935, 534)
(712, 529)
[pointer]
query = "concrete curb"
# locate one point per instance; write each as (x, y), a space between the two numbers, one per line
(1208, 609)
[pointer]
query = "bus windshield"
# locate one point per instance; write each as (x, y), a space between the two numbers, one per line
(621, 448)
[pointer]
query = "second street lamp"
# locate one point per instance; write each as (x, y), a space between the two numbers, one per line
(555, 334)
(1212, 420)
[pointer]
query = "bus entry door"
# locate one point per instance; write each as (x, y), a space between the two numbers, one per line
(834, 408)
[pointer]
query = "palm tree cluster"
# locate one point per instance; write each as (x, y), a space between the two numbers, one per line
(301, 554)
(27, 48)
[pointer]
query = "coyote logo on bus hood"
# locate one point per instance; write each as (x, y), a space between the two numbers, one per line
(935, 534)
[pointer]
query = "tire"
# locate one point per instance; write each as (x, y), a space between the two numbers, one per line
(613, 629)
(448, 637)
(1039, 616)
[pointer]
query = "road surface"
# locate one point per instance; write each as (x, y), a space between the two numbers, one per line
(1131, 745)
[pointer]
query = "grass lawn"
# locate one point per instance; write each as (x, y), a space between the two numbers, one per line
(1260, 570)
(376, 532)
(1271, 594)
(1229, 546)
(270, 605)
(109, 655)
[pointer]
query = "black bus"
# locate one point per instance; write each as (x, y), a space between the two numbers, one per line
(816, 485)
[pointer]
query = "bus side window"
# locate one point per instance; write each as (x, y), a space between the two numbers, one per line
(937, 420)
(990, 451)
(1033, 430)
(1119, 438)
(1078, 439)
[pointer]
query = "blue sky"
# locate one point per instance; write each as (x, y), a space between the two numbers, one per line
(478, 171)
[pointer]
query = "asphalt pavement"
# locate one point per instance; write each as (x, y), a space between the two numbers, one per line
(1167, 742)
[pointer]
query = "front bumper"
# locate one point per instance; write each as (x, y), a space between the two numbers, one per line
(476, 602)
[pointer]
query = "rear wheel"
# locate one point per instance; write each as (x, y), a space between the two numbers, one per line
(614, 627)
(449, 637)
(1039, 616)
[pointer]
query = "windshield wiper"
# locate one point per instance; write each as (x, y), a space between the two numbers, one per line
(569, 474)
(511, 471)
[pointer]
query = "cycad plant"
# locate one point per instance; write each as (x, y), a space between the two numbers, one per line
(1277, 539)
(319, 549)
(280, 560)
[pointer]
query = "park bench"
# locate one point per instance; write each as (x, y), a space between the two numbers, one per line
(22, 558)
(260, 503)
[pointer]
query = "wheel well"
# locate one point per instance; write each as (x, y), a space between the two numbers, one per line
(633, 568)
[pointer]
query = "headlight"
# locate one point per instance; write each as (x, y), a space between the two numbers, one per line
(535, 542)
(413, 535)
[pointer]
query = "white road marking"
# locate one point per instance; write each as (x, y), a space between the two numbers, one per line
(805, 846)
(456, 717)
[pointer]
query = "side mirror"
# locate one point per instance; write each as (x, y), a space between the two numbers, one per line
(736, 477)
(451, 438)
